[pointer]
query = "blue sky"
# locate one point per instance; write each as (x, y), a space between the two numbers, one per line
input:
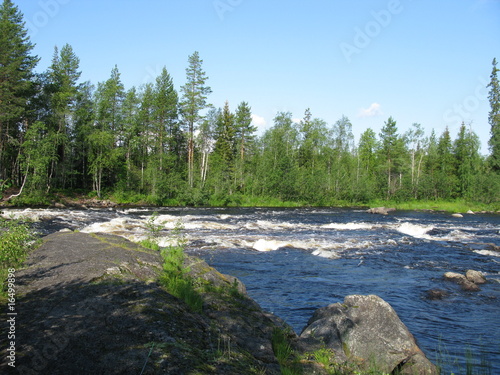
(418, 61)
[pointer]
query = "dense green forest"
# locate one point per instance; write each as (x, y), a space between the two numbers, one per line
(158, 145)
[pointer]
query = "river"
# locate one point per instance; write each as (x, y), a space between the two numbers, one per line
(294, 261)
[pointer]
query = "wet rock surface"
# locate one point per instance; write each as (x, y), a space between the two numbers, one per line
(380, 210)
(468, 282)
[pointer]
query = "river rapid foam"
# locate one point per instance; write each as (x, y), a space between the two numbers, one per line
(296, 260)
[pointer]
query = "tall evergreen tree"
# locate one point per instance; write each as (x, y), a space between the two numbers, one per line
(447, 182)
(109, 104)
(63, 77)
(165, 116)
(391, 147)
(106, 138)
(430, 176)
(61, 92)
(224, 154)
(194, 99)
(83, 121)
(245, 131)
(245, 138)
(131, 139)
(494, 117)
(16, 87)
(466, 151)
(366, 165)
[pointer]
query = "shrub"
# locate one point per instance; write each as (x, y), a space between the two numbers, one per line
(16, 241)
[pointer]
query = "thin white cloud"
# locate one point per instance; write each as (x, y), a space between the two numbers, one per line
(258, 121)
(372, 111)
(296, 120)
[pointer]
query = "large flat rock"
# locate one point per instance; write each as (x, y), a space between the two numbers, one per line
(90, 304)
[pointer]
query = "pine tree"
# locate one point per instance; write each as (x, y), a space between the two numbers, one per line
(131, 139)
(106, 138)
(194, 100)
(164, 129)
(109, 104)
(466, 151)
(365, 176)
(225, 148)
(83, 121)
(245, 138)
(62, 90)
(165, 116)
(16, 86)
(391, 148)
(447, 182)
(245, 131)
(494, 118)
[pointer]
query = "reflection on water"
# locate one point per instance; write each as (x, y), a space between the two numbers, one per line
(296, 260)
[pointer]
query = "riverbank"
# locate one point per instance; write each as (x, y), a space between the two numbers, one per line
(97, 304)
(75, 199)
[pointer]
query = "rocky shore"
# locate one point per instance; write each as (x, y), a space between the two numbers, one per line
(92, 304)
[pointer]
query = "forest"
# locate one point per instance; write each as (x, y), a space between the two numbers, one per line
(158, 145)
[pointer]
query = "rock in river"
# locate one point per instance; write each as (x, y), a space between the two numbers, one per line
(366, 329)
(380, 210)
(461, 280)
(475, 276)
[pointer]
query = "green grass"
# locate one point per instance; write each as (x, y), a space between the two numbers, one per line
(174, 276)
(455, 206)
(16, 241)
(286, 356)
(472, 364)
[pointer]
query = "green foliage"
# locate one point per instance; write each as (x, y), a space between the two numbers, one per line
(154, 146)
(16, 84)
(16, 241)
(286, 356)
(174, 277)
(474, 364)
(494, 117)
(194, 100)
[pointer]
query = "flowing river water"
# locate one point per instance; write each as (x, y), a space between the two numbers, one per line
(294, 261)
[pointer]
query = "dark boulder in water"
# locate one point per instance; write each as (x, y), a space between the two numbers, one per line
(436, 294)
